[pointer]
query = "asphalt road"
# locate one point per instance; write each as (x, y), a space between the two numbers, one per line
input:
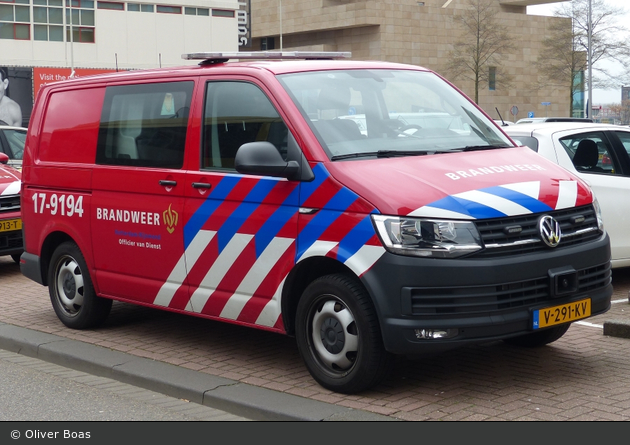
(34, 390)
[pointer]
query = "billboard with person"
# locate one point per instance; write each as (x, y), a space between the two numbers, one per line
(10, 109)
(19, 87)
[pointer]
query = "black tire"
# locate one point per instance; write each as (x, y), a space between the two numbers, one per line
(539, 338)
(16, 258)
(71, 290)
(350, 357)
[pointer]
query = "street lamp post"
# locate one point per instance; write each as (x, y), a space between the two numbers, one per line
(280, 2)
(71, 42)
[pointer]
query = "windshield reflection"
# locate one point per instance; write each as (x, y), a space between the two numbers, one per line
(357, 113)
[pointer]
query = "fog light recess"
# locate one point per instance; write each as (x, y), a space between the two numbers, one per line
(434, 334)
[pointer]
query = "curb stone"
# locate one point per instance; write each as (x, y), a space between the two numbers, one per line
(617, 328)
(238, 398)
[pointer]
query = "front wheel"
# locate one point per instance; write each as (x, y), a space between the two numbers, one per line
(539, 338)
(339, 337)
(71, 290)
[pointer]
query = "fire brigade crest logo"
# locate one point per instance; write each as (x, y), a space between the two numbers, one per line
(170, 219)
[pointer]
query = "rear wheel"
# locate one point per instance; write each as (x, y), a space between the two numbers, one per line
(539, 338)
(339, 337)
(71, 290)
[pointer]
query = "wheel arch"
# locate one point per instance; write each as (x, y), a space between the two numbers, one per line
(299, 278)
(49, 245)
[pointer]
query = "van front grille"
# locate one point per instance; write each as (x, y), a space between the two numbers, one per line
(578, 225)
(9, 203)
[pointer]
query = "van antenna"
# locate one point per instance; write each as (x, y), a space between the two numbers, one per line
(502, 121)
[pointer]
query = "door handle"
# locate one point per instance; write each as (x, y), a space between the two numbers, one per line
(201, 185)
(168, 183)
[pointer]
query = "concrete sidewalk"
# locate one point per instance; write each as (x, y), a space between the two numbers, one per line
(241, 399)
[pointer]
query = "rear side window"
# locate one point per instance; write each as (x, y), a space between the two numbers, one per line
(591, 153)
(145, 125)
(527, 141)
(625, 140)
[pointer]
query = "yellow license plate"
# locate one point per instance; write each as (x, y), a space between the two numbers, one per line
(10, 224)
(563, 313)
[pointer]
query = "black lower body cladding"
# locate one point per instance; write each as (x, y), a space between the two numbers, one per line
(479, 300)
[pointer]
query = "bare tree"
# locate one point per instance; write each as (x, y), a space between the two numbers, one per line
(564, 60)
(483, 43)
(622, 111)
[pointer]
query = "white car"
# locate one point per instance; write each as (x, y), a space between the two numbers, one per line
(536, 120)
(599, 154)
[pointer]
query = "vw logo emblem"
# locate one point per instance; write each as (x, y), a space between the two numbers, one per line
(549, 231)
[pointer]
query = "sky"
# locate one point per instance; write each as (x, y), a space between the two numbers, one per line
(600, 97)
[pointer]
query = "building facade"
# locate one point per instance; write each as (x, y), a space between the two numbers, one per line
(113, 34)
(48, 40)
(418, 33)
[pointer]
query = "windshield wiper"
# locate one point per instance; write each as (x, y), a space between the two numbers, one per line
(484, 147)
(393, 153)
(379, 154)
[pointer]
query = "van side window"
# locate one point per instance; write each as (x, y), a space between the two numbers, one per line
(144, 125)
(236, 113)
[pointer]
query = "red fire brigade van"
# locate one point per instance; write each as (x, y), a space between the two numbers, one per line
(366, 208)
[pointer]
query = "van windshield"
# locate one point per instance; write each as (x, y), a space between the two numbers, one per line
(358, 113)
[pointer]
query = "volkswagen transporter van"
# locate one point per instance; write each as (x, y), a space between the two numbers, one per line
(246, 192)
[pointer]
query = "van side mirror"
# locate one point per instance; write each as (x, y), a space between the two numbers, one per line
(262, 158)
(4, 158)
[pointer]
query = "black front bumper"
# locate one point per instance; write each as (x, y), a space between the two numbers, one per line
(11, 243)
(481, 299)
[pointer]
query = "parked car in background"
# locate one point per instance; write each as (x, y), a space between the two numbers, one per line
(12, 141)
(531, 120)
(10, 217)
(599, 154)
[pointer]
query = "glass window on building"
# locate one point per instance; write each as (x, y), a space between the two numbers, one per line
(267, 43)
(197, 11)
(81, 17)
(169, 9)
(111, 5)
(222, 13)
(48, 20)
(492, 78)
(15, 20)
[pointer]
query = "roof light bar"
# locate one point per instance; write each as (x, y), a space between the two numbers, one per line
(269, 55)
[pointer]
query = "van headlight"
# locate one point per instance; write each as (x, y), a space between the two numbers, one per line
(598, 213)
(427, 237)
